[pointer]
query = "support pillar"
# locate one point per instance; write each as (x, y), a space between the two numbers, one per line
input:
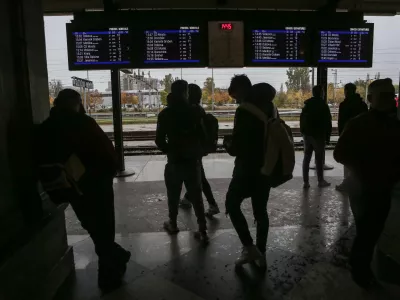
(117, 121)
(34, 254)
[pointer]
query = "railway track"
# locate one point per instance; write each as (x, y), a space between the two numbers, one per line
(153, 150)
(151, 135)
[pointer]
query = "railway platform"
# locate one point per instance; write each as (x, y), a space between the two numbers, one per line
(310, 237)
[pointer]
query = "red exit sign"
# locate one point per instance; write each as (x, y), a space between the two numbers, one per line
(226, 26)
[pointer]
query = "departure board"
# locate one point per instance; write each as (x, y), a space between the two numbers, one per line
(277, 46)
(99, 49)
(352, 46)
(178, 46)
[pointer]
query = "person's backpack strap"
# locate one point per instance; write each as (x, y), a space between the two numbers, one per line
(258, 113)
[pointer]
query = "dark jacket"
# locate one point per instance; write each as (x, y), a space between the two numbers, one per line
(66, 133)
(370, 147)
(179, 132)
(350, 108)
(316, 119)
(247, 141)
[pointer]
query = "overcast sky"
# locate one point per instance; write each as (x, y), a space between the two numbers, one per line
(386, 59)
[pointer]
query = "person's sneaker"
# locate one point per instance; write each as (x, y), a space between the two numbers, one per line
(171, 227)
(306, 185)
(262, 261)
(185, 203)
(323, 183)
(109, 278)
(202, 236)
(212, 210)
(341, 188)
(111, 272)
(249, 254)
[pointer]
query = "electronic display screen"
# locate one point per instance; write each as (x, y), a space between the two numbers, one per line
(276, 46)
(346, 47)
(179, 46)
(100, 48)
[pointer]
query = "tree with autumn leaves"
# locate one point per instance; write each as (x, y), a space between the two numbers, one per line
(129, 99)
(221, 96)
(94, 99)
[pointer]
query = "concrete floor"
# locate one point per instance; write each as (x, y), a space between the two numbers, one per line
(308, 244)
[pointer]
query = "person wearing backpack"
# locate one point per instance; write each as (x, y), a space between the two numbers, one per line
(316, 128)
(247, 144)
(77, 164)
(211, 130)
(180, 136)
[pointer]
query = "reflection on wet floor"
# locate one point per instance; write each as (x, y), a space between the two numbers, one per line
(308, 244)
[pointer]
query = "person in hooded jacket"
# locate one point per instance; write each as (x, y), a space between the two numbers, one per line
(180, 136)
(248, 146)
(195, 95)
(352, 106)
(67, 132)
(316, 128)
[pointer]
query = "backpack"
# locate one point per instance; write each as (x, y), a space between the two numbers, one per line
(211, 128)
(279, 156)
(63, 175)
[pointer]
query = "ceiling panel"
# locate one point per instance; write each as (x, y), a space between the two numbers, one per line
(371, 6)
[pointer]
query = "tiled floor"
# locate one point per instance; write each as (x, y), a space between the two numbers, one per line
(309, 240)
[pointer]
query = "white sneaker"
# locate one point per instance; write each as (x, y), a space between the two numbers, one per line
(249, 254)
(185, 203)
(212, 210)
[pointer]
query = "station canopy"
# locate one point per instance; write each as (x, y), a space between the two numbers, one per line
(375, 7)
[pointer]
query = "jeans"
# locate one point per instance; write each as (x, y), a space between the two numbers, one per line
(188, 173)
(257, 188)
(206, 188)
(372, 209)
(95, 211)
(311, 145)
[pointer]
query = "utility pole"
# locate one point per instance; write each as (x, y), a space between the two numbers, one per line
(312, 77)
(398, 95)
(212, 88)
(334, 84)
(366, 87)
(84, 101)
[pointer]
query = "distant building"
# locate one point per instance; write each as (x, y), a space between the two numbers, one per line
(137, 82)
(146, 98)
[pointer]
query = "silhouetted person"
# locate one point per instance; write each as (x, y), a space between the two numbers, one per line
(352, 106)
(248, 145)
(180, 136)
(195, 95)
(72, 141)
(240, 88)
(316, 128)
(369, 147)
